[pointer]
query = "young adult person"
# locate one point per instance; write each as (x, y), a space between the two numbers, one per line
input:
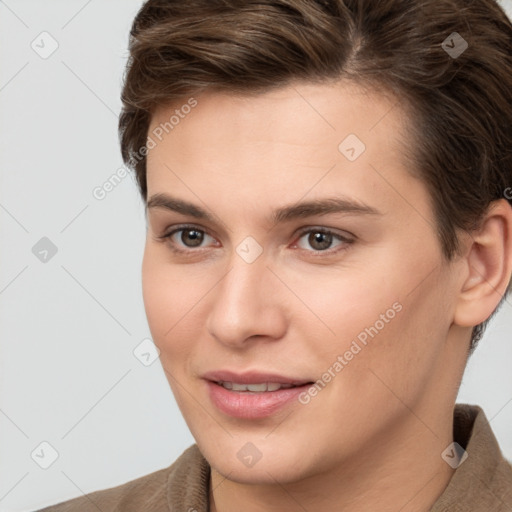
(327, 188)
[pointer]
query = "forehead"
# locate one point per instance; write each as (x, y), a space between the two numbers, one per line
(303, 114)
(300, 139)
(301, 102)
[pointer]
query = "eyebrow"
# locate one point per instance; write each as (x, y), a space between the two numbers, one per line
(287, 213)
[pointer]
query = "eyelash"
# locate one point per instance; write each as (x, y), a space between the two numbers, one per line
(346, 241)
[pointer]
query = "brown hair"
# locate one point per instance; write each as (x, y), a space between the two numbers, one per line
(459, 99)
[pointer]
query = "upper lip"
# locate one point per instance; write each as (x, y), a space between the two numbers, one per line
(252, 377)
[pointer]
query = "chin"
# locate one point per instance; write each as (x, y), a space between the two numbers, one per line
(242, 463)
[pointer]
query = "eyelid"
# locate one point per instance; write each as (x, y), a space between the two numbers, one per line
(324, 229)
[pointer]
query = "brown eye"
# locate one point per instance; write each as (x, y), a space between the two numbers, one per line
(319, 240)
(186, 238)
(191, 237)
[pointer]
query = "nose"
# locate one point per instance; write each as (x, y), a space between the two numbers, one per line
(247, 305)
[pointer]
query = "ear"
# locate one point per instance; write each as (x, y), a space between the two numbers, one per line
(489, 266)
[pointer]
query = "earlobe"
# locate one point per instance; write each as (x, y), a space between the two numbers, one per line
(489, 267)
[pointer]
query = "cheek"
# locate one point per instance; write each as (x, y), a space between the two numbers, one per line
(401, 358)
(390, 317)
(340, 303)
(169, 300)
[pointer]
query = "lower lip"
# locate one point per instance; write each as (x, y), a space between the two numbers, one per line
(249, 405)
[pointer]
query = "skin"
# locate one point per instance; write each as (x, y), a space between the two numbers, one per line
(372, 438)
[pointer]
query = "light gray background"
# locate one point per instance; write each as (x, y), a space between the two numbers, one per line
(68, 374)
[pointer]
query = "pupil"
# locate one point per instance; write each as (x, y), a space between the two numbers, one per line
(320, 241)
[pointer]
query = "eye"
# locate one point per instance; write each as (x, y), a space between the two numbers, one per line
(321, 239)
(186, 237)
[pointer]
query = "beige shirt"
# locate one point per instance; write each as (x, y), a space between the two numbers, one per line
(482, 483)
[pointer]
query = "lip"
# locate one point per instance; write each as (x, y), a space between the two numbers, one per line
(251, 405)
(252, 377)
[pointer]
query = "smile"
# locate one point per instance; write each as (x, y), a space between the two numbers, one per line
(255, 388)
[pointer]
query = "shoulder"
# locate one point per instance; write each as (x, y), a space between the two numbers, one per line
(501, 485)
(483, 477)
(156, 492)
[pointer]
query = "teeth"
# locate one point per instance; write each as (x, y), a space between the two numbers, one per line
(255, 388)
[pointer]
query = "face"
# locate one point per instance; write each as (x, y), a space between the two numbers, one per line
(288, 243)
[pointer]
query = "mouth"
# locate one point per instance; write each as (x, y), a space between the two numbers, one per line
(253, 380)
(260, 396)
(262, 387)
